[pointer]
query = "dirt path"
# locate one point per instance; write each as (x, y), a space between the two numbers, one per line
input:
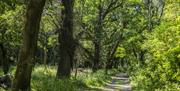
(120, 82)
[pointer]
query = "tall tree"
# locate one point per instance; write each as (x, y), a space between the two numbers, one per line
(102, 14)
(97, 32)
(66, 40)
(27, 54)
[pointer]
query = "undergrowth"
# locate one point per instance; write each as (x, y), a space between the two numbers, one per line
(44, 80)
(144, 80)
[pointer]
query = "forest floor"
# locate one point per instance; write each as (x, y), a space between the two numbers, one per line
(120, 82)
(43, 80)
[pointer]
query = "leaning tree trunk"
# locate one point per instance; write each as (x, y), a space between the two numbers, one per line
(27, 54)
(66, 40)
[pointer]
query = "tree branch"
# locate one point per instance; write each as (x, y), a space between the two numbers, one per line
(112, 6)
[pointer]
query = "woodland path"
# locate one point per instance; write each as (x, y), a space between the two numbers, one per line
(120, 82)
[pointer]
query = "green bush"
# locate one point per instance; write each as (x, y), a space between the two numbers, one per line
(161, 71)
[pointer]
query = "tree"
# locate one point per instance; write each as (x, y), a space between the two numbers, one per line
(94, 24)
(98, 29)
(27, 54)
(66, 41)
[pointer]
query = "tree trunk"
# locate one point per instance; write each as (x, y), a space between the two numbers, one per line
(27, 54)
(141, 57)
(150, 15)
(4, 61)
(96, 59)
(111, 53)
(45, 58)
(97, 42)
(66, 41)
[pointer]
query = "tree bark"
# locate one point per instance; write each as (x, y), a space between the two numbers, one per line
(97, 42)
(96, 59)
(4, 61)
(66, 40)
(27, 54)
(150, 15)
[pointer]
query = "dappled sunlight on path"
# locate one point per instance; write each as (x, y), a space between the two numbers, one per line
(120, 82)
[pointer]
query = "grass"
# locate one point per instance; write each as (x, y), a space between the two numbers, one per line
(44, 79)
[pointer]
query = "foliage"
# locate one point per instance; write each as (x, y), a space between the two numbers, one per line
(43, 79)
(162, 66)
(151, 57)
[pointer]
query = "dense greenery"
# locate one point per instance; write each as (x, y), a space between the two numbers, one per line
(68, 45)
(161, 69)
(43, 80)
